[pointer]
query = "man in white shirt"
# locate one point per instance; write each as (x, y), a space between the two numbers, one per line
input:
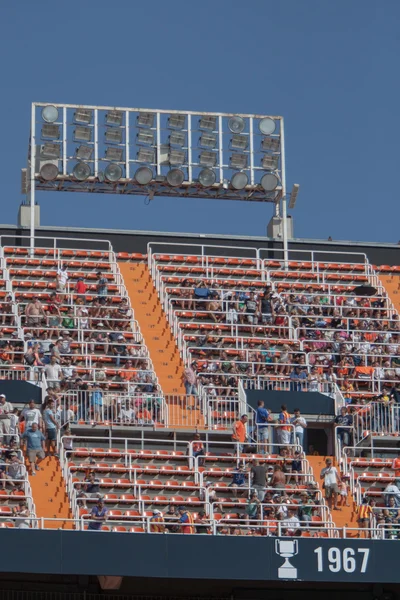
(31, 415)
(332, 479)
(392, 490)
(62, 278)
(5, 416)
(300, 424)
(291, 523)
(53, 373)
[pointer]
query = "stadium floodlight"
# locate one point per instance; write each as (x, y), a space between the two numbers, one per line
(84, 152)
(208, 140)
(112, 173)
(81, 171)
(50, 150)
(270, 162)
(113, 135)
(114, 154)
(145, 119)
(267, 126)
(270, 143)
(144, 175)
(177, 138)
(236, 124)
(208, 159)
(175, 177)
(238, 161)
(83, 115)
(50, 132)
(208, 122)
(239, 142)
(82, 134)
(176, 157)
(49, 114)
(269, 182)
(145, 137)
(176, 122)
(49, 171)
(207, 177)
(239, 181)
(114, 117)
(293, 195)
(146, 155)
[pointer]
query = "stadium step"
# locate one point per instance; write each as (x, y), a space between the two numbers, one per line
(392, 286)
(160, 342)
(49, 497)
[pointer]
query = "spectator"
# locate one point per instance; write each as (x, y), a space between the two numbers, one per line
(171, 517)
(15, 469)
(238, 479)
(91, 485)
(297, 376)
(239, 434)
(201, 523)
(296, 466)
(331, 483)
(393, 490)
(31, 415)
(80, 287)
(53, 373)
(34, 312)
(198, 449)
(157, 522)
(259, 478)
(365, 514)
(51, 426)
(187, 520)
(102, 287)
(61, 281)
(343, 494)
(253, 507)
(291, 524)
(6, 410)
(190, 380)
(98, 516)
(262, 420)
(396, 465)
(34, 442)
(284, 431)
(300, 425)
(278, 479)
(343, 421)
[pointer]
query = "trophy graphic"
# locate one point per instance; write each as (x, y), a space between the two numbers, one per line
(286, 549)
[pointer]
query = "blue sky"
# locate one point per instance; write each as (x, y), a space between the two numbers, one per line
(329, 67)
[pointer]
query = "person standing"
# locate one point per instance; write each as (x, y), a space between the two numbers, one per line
(61, 281)
(331, 483)
(98, 516)
(262, 421)
(259, 481)
(6, 410)
(239, 434)
(31, 415)
(186, 518)
(285, 429)
(51, 426)
(300, 425)
(34, 443)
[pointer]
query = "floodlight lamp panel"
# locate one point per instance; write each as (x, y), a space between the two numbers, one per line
(114, 118)
(270, 162)
(49, 171)
(236, 124)
(176, 121)
(145, 119)
(267, 125)
(269, 182)
(177, 157)
(114, 154)
(84, 152)
(82, 134)
(208, 159)
(81, 171)
(143, 175)
(113, 173)
(145, 137)
(113, 135)
(207, 177)
(49, 113)
(175, 177)
(239, 142)
(50, 150)
(270, 143)
(146, 155)
(208, 140)
(177, 138)
(50, 131)
(208, 122)
(238, 161)
(239, 181)
(83, 116)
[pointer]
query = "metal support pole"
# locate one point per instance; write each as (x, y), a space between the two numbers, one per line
(32, 180)
(284, 201)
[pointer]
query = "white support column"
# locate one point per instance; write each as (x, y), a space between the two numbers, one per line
(32, 179)
(284, 201)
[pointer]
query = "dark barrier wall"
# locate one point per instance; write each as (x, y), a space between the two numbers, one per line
(199, 557)
(20, 391)
(136, 241)
(310, 403)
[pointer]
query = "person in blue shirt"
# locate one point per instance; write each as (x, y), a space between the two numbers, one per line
(98, 516)
(296, 377)
(33, 439)
(238, 479)
(262, 420)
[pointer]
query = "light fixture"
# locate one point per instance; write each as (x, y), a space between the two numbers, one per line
(270, 162)
(208, 123)
(83, 115)
(267, 126)
(50, 131)
(146, 155)
(208, 140)
(239, 142)
(84, 152)
(114, 154)
(269, 181)
(177, 138)
(82, 134)
(293, 195)
(113, 172)
(50, 150)
(113, 135)
(144, 175)
(207, 177)
(175, 177)
(145, 119)
(49, 114)
(114, 117)
(239, 181)
(176, 157)
(270, 143)
(236, 124)
(49, 171)
(238, 161)
(208, 159)
(176, 121)
(145, 137)
(81, 171)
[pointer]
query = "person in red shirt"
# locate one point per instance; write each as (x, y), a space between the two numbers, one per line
(81, 286)
(396, 465)
(240, 432)
(198, 449)
(187, 520)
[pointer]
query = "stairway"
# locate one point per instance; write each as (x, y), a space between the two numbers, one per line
(346, 516)
(392, 286)
(161, 344)
(49, 495)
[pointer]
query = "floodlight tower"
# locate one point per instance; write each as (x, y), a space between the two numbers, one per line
(136, 151)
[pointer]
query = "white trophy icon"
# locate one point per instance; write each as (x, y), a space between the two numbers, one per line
(286, 549)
